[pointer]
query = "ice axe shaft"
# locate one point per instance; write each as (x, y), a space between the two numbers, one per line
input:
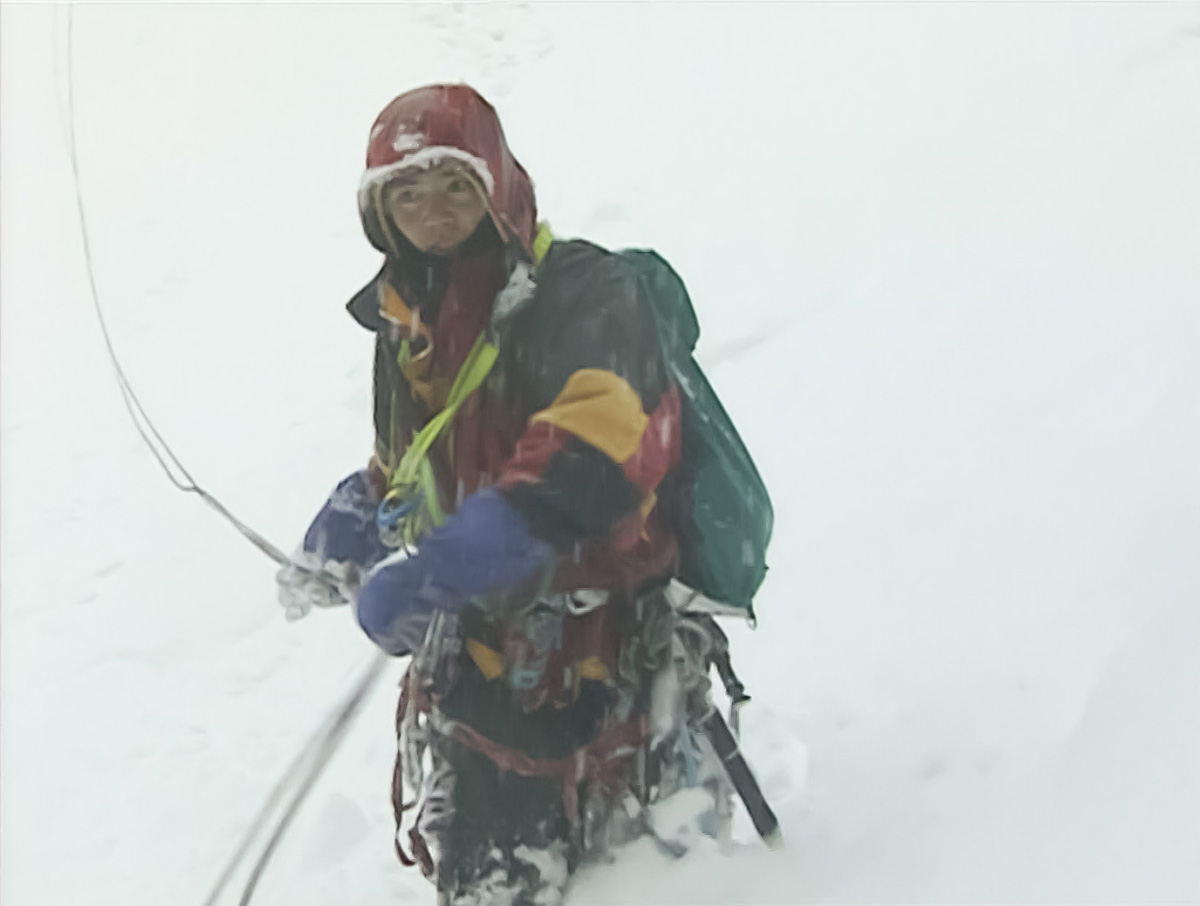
(747, 787)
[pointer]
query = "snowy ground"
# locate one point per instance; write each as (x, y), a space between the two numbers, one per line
(947, 259)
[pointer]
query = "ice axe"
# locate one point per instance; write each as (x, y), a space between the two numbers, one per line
(739, 772)
(726, 745)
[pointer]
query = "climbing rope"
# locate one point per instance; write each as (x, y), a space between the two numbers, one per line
(303, 773)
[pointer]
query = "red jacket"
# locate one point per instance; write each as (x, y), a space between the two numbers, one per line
(578, 423)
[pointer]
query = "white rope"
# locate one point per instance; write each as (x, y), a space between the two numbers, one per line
(304, 771)
(175, 470)
(311, 762)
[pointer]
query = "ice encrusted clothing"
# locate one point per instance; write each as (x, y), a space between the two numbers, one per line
(578, 424)
(534, 613)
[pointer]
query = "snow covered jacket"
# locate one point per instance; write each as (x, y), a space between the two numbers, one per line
(578, 423)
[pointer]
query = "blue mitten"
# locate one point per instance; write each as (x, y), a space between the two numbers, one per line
(342, 542)
(484, 547)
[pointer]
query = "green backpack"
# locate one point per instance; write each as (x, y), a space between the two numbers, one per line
(727, 514)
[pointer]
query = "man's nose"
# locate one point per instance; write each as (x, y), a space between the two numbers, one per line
(437, 212)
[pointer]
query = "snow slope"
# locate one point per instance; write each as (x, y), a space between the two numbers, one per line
(947, 261)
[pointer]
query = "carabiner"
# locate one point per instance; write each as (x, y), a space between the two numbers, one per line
(397, 506)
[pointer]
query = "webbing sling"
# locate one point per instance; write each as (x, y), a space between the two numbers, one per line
(412, 505)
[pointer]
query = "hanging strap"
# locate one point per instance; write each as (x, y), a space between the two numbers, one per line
(470, 376)
(414, 476)
(412, 503)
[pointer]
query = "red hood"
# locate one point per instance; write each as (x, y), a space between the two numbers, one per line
(429, 124)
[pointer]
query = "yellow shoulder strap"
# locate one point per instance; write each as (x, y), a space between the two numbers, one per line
(541, 242)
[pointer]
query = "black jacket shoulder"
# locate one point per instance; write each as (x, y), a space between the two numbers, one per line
(588, 311)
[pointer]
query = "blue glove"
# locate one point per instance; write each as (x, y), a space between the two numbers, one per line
(484, 547)
(345, 531)
(342, 542)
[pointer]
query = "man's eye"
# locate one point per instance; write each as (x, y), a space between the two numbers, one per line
(405, 196)
(458, 185)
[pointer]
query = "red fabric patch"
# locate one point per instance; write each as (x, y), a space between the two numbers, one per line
(537, 445)
(661, 446)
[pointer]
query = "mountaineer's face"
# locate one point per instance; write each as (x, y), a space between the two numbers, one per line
(435, 208)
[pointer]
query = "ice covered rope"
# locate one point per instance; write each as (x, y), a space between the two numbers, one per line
(341, 544)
